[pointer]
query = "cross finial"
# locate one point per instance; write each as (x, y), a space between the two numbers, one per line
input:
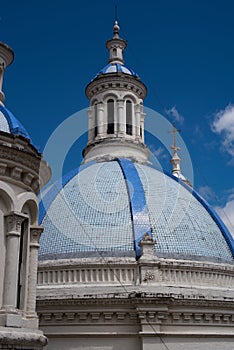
(175, 160)
(174, 131)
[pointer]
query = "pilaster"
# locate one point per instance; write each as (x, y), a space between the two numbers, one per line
(9, 315)
(35, 234)
(100, 120)
(121, 117)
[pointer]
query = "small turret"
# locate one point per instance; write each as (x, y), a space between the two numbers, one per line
(115, 115)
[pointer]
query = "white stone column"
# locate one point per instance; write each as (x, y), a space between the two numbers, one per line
(121, 118)
(90, 112)
(13, 233)
(100, 120)
(142, 125)
(133, 121)
(138, 120)
(35, 234)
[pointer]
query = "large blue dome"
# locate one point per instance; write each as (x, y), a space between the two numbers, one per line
(11, 125)
(105, 208)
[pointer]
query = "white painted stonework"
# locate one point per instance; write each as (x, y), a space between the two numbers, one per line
(111, 303)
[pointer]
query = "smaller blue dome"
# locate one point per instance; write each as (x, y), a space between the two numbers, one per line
(115, 68)
(9, 124)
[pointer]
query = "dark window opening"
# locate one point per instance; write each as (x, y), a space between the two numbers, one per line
(20, 266)
(110, 117)
(95, 121)
(129, 117)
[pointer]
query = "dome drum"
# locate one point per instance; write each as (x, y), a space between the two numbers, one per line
(116, 82)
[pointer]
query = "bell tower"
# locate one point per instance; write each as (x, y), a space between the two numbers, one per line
(23, 172)
(115, 115)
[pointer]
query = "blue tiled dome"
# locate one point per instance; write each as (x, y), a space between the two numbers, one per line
(9, 124)
(115, 68)
(107, 207)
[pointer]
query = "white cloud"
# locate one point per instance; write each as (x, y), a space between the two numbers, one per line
(206, 192)
(227, 215)
(224, 124)
(175, 114)
(159, 153)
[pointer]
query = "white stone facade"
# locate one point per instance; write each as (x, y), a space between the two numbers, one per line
(152, 303)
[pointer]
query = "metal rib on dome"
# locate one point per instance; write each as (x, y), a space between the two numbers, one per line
(139, 210)
(93, 213)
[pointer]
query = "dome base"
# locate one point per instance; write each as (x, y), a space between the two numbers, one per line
(112, 148)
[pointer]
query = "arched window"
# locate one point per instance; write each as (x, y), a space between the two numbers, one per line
(129, 117)
(110, 117)
(95, 120)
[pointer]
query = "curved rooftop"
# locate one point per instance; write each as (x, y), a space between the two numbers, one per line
(117, 68)
(11, 125)
(105, 208)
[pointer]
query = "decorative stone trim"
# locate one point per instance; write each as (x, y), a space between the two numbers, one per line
(35, 234)
(147, 245)
(21, 164)
(86, 275)
(156, 271)
(118, 81)
(144, 316)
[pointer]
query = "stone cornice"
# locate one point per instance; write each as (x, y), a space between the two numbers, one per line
(156, 313)
(21, 164)
(116, 81)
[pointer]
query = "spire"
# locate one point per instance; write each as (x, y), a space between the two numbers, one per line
(175, 160)
(6, 58)
(116, 46)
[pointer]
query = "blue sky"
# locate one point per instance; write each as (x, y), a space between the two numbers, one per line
(182, 50)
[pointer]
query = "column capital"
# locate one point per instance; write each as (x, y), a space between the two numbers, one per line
(14, 221)
(138, 108)
(100, 106)
(35, 234)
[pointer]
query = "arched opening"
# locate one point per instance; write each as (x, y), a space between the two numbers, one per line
(110, 117)
(23, 266)
(128, 117)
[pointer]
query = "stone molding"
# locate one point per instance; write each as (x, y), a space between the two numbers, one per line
(155, 272)
(118, 81)
(21, 164)
(157, 316)
(24, 338)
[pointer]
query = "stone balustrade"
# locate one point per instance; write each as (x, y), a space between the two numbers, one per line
(160, 271)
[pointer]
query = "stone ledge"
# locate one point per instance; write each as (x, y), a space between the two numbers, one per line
(23, 337)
